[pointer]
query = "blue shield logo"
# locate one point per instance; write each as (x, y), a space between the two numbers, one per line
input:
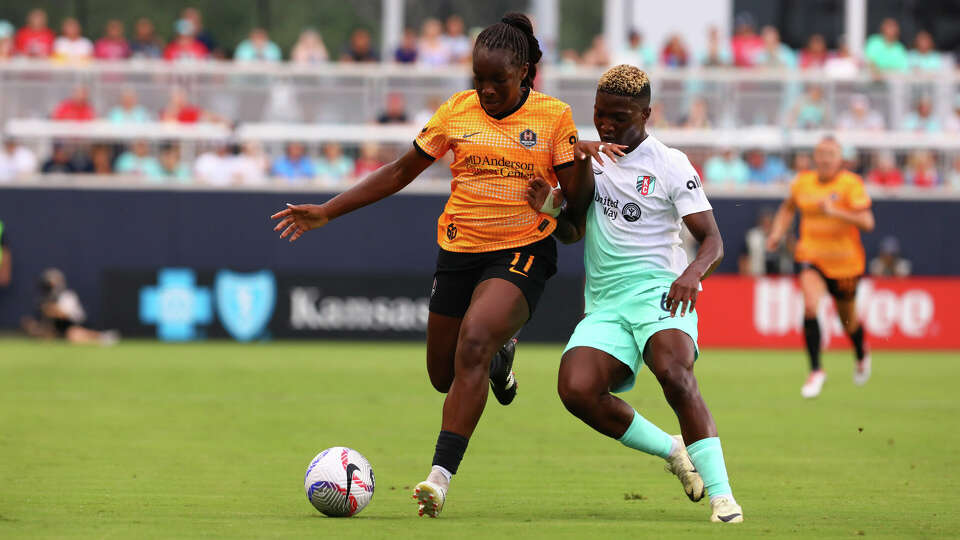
(245, 302)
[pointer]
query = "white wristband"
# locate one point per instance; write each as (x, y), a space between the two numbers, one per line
(548, 205)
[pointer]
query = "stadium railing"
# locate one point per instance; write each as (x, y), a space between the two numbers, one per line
(436, 184)
(355, 93)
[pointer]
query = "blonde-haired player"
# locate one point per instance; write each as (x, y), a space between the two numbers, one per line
(640, 292)
(834, 208)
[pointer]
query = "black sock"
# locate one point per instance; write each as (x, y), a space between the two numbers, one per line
(450, 449)
(856, 337)
(811, 333)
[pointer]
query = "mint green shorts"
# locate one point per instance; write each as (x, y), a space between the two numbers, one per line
(622, 331)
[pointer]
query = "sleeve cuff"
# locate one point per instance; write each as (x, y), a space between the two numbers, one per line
(423, 152)
(687, 210)
(562, 166)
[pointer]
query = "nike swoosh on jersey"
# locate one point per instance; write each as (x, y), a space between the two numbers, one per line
(515, 271)
(664, 317)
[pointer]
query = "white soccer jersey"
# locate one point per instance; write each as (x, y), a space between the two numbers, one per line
(633, 225)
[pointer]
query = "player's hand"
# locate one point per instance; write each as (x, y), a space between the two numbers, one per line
(300, 218)
(683, 294)
(596, 149)
(773, 244)
(538, 190)
(828, 207)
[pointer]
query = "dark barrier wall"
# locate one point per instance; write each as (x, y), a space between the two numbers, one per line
(90, 231)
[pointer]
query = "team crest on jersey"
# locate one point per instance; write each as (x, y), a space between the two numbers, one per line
(645, 184)
(528, 138)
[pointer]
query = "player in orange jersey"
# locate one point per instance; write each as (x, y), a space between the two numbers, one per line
(496, 252)
(834, 208)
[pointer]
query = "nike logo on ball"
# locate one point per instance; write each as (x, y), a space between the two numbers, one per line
(351, 468)
(468, 135)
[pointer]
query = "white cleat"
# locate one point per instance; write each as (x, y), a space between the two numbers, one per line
(725, 510)
(814, 384)
(680, 465)
(430, 498)
(861, 373)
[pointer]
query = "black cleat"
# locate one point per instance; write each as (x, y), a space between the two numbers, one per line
(503, 382)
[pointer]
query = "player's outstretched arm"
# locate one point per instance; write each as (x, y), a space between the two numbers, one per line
(385, 181)
(683, 292)
(861, 219)
(781, 223)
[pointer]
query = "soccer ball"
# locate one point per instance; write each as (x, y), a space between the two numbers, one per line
(339, 482)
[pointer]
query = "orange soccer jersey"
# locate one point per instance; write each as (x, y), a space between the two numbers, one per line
(833, 245)
(493, 158)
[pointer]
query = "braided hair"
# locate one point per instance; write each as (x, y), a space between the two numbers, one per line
(514, 33)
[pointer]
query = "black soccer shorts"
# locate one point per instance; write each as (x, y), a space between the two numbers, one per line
(458, 274)
(844, 289)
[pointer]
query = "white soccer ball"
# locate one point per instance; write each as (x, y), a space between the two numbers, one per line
(339, 482)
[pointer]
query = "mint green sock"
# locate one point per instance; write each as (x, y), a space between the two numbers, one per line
(644, 436)
(707, 457)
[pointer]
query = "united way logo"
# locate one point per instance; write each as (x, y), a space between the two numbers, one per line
(528, 138)
(176, 305)
(245, 302)
(645, 184)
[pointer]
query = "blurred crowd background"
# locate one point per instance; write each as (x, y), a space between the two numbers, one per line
(739, 102)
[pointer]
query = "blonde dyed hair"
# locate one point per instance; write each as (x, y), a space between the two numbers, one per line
(625, 80)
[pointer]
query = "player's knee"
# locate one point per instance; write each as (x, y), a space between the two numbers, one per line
(577, 393)
(676, 378)
(851, 325)
(475, 349)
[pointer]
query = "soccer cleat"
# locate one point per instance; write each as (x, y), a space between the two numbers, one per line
(861, 373)
(503, 383)
(430, 498)
(814, 384)
(680, 465)
(725, 511)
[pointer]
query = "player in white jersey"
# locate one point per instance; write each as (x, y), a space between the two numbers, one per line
(640, 291)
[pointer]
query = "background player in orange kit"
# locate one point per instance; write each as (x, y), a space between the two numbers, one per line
(834, 208)
(496, 252)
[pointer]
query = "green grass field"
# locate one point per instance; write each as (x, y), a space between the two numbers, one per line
(146, 440)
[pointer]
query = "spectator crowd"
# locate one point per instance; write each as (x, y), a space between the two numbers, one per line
(218, 164)
(439, 43)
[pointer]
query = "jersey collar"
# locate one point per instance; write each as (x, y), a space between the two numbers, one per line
(523, 99)
(645, 143)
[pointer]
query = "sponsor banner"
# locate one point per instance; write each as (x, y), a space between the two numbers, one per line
(912, 313)
(180, 304)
